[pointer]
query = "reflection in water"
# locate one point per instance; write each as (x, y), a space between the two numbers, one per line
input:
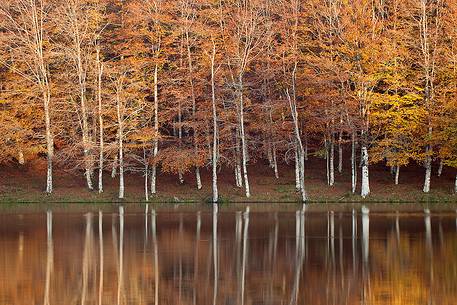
(49, 257)
(228, 258)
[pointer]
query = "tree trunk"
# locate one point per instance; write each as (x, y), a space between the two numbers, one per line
(440, 168)
(120, 148)
(244, 152)
(340, 152)
(192, 90)
(428, 172)
(100, 122)
(327, 165)
(365, 177)
(300, 150)
(215, 130)
(397, 174)
(49, 143)
(297, 170)
(146, 175)
(353, 165)
(332, 162)
(275, 162)
(155, 149)
(115, 164)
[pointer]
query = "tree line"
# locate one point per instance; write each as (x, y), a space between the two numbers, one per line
(156, 86)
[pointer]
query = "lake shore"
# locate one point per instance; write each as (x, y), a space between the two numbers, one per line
(26, 185)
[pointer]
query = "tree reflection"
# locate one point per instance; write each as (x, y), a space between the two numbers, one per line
(247, 258)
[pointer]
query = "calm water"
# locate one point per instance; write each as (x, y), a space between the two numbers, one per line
(208, 257)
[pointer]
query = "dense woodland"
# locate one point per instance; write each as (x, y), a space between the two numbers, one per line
(157, 86)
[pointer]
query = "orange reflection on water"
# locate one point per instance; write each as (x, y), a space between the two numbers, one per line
(216, 257)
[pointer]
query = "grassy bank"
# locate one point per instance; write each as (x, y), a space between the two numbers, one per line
(26, 185)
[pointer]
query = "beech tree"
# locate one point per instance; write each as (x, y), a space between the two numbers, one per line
(27, 40)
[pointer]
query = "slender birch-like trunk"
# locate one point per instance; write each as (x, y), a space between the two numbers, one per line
(332, 162)
(100, 120)
(365, 191)
(120, 122)
(244, 148)
(340, 152)
(194, 106)
(440, 168)
(297, 170)
(115, 162)
(428, 171)
(146, 174)
(397, 174)
(155, 148)
(215, 129)
(71, 13)
(428, 45)
(26, 21)
(353, 164)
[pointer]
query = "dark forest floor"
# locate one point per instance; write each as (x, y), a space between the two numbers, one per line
(26, 184)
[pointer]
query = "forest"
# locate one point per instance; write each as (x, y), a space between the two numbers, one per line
(158, 87)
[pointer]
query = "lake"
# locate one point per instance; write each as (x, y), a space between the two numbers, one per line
(141, 255)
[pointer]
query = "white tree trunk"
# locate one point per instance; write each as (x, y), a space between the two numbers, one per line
(215, 129)
(297, 171)
(121, 169)
(115, 164)
(146, 175)
(49, 145)
(156, 128)
(300, 149)
(100, 122)
(244, 149)
(440, 168)
(198, 178)
(275, 162)
(365, 176)
(428, 172)
(340, 152)
(332, 162)
(397, 174)
(120, 147)
(353, 165)
(327, 166)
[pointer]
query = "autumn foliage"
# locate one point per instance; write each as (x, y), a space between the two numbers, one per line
(157, 86)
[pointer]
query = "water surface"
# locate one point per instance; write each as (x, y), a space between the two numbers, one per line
(227, 257)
